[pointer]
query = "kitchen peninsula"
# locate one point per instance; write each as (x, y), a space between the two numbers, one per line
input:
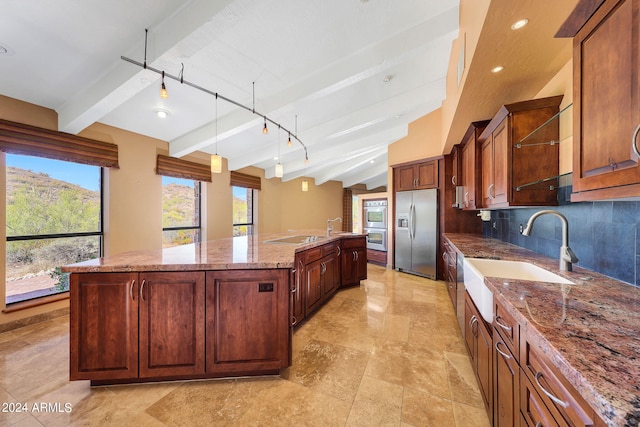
(213, 309)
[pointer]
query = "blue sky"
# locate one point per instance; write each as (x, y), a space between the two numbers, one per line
(85, 176)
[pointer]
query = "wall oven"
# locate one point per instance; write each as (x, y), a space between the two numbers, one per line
(376, 239)
(375, 214)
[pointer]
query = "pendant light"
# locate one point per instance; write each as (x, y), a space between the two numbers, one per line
(163, 89)
(216, 160)
(305, 185)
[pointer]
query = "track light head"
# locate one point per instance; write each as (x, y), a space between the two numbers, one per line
(289, 141)
(265, 130)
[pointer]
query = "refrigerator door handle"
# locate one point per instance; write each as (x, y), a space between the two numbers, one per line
(410, 228)
(413, 221)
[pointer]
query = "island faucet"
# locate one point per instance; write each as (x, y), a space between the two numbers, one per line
(567, 257)
(329, 228)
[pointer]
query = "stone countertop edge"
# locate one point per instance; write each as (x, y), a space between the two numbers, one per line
(589, 331)
(232, 253)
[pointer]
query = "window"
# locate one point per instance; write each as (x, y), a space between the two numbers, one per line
(180, 211)
(242, 211)
(53, 218)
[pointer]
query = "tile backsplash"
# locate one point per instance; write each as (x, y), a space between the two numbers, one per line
(603, 235)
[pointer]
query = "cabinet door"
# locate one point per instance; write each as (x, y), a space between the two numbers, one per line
(361, 263)
(484, 363)
(469, 178)
(456, 167)
(427, 175)
(299, 287)
(313, 278)
(171, 323)
(501, 166)
(329, 282)
(349, 267)
(488, 183)
(607, 100)
(404, 178)
(470, 321)
(103, 311)
(247, 321)
(506, 387)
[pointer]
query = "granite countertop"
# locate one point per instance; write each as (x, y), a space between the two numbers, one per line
(590, 330)
(237, 253)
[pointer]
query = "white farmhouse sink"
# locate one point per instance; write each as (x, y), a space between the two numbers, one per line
(476, 269)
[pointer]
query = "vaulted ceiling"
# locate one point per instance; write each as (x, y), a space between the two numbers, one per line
(346, 75)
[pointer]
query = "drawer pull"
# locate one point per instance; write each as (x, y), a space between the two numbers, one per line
(549, 395)
(539, 424)
(634, 141)
(339, 250)
(444, 257)
(295, 321)
(491, 196)
(502, 325)
(505, 355)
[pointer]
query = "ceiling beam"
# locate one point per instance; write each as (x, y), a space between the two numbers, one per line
(360, 177)
(123, 81)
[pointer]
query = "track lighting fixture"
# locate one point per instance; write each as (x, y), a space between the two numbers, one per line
(163, 89)
(164, 94)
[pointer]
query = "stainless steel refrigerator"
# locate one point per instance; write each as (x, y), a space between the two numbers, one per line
(416, 232)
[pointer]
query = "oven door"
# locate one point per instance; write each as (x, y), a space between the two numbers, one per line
(376, 239)
(375, 217)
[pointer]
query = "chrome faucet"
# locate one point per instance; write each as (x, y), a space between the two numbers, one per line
(567, 257)
(329, 228)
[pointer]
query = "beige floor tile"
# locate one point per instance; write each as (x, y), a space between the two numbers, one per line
(470, 416)
(423, 409)
(462, 380)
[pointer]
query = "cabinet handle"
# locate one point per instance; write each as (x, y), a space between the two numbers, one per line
(453, 180)
(491, 197)
(295, 321)
(339, 251)
(141, 288)
(539, 424)
(294, 290)
(466, 199)
(634, 141)
(502, 325)
(505, 355)
(444, 257)
(357, 256)
(549, 395)
(133, 283)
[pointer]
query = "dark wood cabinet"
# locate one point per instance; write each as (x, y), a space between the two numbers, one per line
(298, 290)
(478, 338)
(353, 260)
(247, 321)
(450, 258)
(511, 144)
(171, 324)
(103, 311)
(416, 176)
(472, 166)
(506, 385)
(606, 102)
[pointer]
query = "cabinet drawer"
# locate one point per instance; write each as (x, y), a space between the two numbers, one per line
(353, 243)
(554, 390)
(312, 254)
(329, 249)
(532, 409)
(508, 328)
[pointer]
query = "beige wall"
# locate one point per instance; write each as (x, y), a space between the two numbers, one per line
(133, 196)
(423, 140)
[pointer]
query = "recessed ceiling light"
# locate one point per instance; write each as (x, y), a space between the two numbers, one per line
(275, 158)
(387, 78)
(162, 113)
(497, 69)
(372, 161)
(519, 24)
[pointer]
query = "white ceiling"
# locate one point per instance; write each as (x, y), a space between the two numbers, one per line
(322, 61)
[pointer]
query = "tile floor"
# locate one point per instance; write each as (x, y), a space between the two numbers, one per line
(387, 353)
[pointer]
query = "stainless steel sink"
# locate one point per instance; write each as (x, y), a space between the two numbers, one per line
(296, 240)
(476, 269)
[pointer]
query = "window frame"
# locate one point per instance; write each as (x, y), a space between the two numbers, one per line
(100, 234)
(189, 227)
(250, 225)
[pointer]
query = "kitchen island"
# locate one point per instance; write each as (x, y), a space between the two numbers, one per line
(214, 309)
(579, 342)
